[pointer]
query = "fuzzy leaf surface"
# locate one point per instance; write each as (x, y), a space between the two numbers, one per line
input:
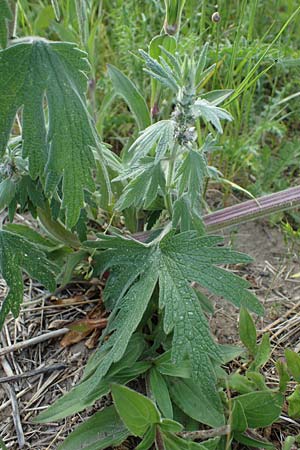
(175, 261)
(58, 147)
(16, 255)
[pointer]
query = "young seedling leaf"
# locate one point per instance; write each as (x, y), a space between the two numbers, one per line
(294, 403)
(171, 425)
(293, 363)
(16, 255)
(5, 16)
(160, 393)
(103, 430)
(60, 149)
(263, 353)
(173, 442)
(144, 186)
(284, 376)
(247, 331)
(125, 87)
(261, 408)
(148, 439)
(240, 383)
(137, 411)
(238, 420)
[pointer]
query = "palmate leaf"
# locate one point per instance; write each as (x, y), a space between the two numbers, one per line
(211, 113)
(5, 16)
(17, 254)
(143, 188)
(31, 71)
(174, 262)
(191, 175)
(160, 134)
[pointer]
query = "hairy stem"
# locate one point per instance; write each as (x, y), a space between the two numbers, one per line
(205, 434)
(246, 211)
(170, 175)
(253, 209)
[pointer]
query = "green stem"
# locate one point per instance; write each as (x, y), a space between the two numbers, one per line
(170, 175)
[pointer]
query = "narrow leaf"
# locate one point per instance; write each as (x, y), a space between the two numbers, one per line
(125, 87)
(293, 363)
(103, 430)
(160, 393)
(247, 331)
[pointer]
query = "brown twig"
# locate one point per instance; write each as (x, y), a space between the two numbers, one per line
(33, 341)
(32, 373)
(205, 434)
(14, 403)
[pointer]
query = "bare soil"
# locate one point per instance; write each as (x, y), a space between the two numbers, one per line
(270, 275)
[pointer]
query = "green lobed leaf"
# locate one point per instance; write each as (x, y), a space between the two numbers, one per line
(161, 72)
(175, 261)
(34, 69)
(5, 16)
(160, 134)
(7, 192)
(191, 175)
(211, 113)
(137, 411)
(103, 430)
(188, 217)
(16, 255)
(125, 87)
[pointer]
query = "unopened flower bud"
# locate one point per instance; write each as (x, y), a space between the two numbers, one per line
(216, 17)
